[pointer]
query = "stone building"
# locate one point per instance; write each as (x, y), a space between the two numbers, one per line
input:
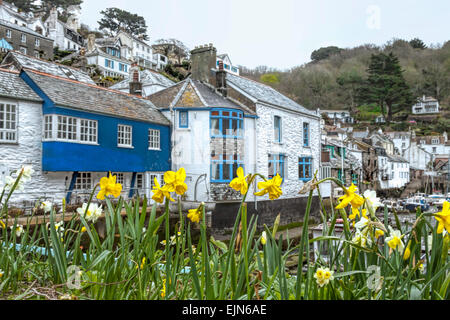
(25, 40)
(65, 36)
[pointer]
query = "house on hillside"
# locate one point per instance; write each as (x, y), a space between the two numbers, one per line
(426, 105)
(222, 121)
(65, 35)
(435, 145)
(25, 40)
(227, 64)
(152, 82)
(338, 116)
(72, 140)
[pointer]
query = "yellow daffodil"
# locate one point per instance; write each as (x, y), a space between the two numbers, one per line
(175, 181)
(421, 267)
(2, 224)
(159, 194)
(443, 218)
(240, 183)
(163, 290)
(351, 198)
(195, 215)
(1, 273)
(271, 187)
(379, 233)
(143, 263)
(355, 213)
(395, 240)
(323, 276)
(18, 230)
(264, 238)
(407, 252)
(109, 187)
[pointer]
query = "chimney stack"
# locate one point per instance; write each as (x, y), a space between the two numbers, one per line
(203, 59)
(135, 80)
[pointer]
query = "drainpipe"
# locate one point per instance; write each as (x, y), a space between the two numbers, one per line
(72, 186)
(256, 157)
(172, 117)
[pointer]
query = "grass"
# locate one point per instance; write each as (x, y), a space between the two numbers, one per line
(130, 263)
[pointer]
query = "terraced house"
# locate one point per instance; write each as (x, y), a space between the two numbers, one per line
(73, 132)
(222, 121)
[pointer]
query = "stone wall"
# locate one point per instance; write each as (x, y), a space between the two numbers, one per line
(291, 210)
(45, 48)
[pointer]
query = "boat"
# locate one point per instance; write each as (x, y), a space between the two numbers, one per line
(417, 201)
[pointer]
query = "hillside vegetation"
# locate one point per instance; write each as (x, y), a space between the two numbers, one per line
(335, 78)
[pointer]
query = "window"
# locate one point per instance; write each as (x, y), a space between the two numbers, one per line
(124, 136)
(435, 141)
(109, 63)
(184, 119)
(88, 131)
(120, 178)
(276, 165)
(227, 124)
(140, 181)
(23, 38)
(37, 42)
(8, 34)
(70, 129)
(224, 167)
(123, 67)
(83, 182)
(8, 123)
(305, 169)
(154, 139)
(306, 134)
(67, 128)
(277, 128)
(37, 54)
(325, 172)
(434, 150)
(23, 50)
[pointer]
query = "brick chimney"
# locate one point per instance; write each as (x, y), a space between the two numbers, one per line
(203, 59)
(221, 80)
(135, 80)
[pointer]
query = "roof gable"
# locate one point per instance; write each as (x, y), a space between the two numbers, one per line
(12, 86)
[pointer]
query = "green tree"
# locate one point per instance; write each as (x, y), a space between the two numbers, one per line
(416, 43)
(62, 5)
(324, 53)
(386, 85)
(270, 78)
(350, 81)
(115, 19)
(24, 5)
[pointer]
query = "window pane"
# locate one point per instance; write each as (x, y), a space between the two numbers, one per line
(215, 127)
(226, 172)
(215, 171)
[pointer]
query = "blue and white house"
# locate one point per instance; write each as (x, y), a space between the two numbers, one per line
(73, 133)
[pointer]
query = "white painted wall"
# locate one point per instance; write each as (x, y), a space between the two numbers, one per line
(291, 146)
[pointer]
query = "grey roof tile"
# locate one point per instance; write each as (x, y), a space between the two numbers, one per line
(12, 86)
(55, 69)
(148, 78)
(264, 93)
(95, 99)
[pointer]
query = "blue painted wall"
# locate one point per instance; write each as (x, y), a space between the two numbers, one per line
(107, 156)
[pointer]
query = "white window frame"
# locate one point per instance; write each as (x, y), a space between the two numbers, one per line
(154, 139)
(141, 177)
(51, 129)
(8, 33)
(120, 178)
(23, 38)
(8, 119)
(83, 182)
(124, 141)
(37, 42)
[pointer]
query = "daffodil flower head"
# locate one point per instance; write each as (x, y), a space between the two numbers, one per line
(323, 276)
(394, 241)
(351, 197)
(93, 213)
(195, 215)
(163, 290)
(379, 233)
(443, 218)
(159, 194)
(372, 199)
(109, 187)
(264, 238)
(407, 252)
(1, 273)
(271, 187)
(175, 181)
(240, 183)
(18, 230)
(46, 206)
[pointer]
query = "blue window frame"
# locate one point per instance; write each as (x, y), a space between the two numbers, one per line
(224, 168)
(183, 119)
(226, 123)
(277, 128)
(305, 169)
(276, 165)
(306, 134)
(107, 63)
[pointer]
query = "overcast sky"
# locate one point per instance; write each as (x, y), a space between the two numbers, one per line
(283, 33)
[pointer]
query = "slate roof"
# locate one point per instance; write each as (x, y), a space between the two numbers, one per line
(91, 98)
(396, 158)
(12, 86)
(24, 61)
(207, 94)
(23, 29)
(264, 93)
(148, 78)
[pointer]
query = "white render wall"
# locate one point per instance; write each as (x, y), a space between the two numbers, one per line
(28, 151)
(417, 157)
(291, 145)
